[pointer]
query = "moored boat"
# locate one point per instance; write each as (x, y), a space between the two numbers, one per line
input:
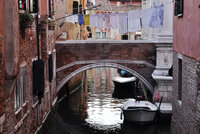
(124, 87)
(139, 111)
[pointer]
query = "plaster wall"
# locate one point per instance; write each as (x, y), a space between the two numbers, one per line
(43, 7)
(187, 30)
(11, 39)
(60, 11)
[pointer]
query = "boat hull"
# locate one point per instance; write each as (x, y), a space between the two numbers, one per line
(142, 116)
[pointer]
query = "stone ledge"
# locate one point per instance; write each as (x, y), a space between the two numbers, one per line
(165, 108)
(167, 78)
(103, 41)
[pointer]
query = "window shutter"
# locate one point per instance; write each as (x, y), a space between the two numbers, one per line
(50, 62)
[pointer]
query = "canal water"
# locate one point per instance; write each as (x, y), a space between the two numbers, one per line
(90, 108)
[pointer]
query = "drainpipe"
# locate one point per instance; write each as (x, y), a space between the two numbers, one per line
(37, 30)
(38, 52)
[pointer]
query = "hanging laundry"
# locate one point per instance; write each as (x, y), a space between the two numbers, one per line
(146, 17)
(86, 20)
(134, 24)
(93, 20)
(107, 21)
(123, 23)
(99, 20)
(80, 19)
(157, 17)
(114, 20)
(70, 18)
(75, 18)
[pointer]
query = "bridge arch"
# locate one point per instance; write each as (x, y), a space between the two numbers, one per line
(112, 65)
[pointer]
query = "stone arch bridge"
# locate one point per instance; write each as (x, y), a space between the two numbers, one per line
(136, 57)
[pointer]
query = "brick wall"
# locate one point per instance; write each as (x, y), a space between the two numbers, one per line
(25, 119)
(185, 116)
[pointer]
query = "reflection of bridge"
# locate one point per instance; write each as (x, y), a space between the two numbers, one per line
(136, 57)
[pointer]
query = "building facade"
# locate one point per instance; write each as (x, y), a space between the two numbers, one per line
(113, 6)
(21, 109)
(186, 68)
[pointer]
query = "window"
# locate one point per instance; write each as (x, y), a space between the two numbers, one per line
(24, 84)
(103, 35)
(98, 35)
(178, 8)
(51, 9)
(33, 6)
(20, 89)
(180, 79)
(75, 7)
(22, 4)
(124, 37)
(90, 35)
(17, 94)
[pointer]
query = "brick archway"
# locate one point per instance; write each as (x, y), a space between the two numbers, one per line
(112, 65)
(136, 57)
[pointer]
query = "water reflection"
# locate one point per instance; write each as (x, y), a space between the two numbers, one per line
(97, 107)
(91, 109)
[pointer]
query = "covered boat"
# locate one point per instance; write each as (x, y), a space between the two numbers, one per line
(139, 111)
(124, 81)
(124, 87)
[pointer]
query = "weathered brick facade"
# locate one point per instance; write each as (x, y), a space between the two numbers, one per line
(2, 66)
(186, 114)
(18, 52)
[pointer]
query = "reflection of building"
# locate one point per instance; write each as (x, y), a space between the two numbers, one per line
(186, 68)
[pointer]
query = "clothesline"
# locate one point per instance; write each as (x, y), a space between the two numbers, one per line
(131, 21)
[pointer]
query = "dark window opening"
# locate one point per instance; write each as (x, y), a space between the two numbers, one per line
(178, 8)
(33, 6)
(51, 9)
(75, 7)
(90, 35)
(124, 37)
(22, 4)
